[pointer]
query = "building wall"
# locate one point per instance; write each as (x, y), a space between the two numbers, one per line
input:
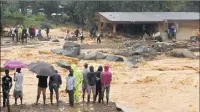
(186, 29)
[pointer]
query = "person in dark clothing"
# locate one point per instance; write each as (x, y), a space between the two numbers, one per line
(6, 86)
(30, 32)
(54, 84)
(77, 32)
(98, 84)
(42, 85)
(91, 77)
(99, 38)
(24, 35)
(81, 35)
(47, 32)
(17, 35)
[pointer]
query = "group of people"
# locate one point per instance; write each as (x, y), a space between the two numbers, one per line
(20, 33)
(96, 82)
(79, 34)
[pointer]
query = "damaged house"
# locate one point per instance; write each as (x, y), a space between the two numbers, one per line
(136, 23)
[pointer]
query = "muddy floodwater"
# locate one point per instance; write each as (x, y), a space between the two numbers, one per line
(165, 84)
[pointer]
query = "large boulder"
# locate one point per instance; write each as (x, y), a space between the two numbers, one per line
(69, 45)
(57, 51)
(131, 61)
(55, 40)
(114, 58)
(94, 56)
(162, 46)
(194, 49)
(63, 64)
(183, 53)
(74, 52)
(145, 50)
(72, 47)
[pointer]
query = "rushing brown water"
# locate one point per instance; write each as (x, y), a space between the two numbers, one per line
(165, 84)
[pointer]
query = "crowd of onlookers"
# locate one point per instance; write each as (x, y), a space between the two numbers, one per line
(95, 82)
(21, 33)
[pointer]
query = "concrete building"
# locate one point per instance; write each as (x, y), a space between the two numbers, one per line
(186, 22)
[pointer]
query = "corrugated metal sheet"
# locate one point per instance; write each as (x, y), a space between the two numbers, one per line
(149, 16)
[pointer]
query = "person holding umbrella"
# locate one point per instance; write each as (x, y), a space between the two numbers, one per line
(43, 70)
(18, 78)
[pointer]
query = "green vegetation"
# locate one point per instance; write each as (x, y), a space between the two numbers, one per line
(83, 12)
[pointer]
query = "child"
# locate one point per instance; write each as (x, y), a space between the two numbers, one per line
(71, 83)
(6, 86)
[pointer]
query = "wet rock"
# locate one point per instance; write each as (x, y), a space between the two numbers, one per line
(162, 46)
(81, 56)
(150, 51)
(181, 44)
(69, 45)
(55, 40)
(131, 61)
(182, 53)
(71, 48)
(94, 56)
(194, 49)
(74, 52)
(57, 51)
(143, 50)
(114, 58)
(63, 64)
(43, 39)
(61, 37)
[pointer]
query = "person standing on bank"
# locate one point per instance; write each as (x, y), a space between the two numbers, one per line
(18, 78)
(84, 82)
(6, 86)
(54, 84)
(47, 32)
(91, 77)
(106, 78)
(42, 85)
(70, 87)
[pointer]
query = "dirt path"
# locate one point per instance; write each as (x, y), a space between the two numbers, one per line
(165, 84)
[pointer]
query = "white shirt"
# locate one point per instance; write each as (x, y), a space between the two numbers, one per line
(71, 83)
(13, 30)
(18, 78)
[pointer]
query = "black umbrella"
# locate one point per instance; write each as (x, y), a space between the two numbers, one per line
(41, 68)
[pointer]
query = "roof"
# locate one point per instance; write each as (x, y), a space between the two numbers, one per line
(148, 16)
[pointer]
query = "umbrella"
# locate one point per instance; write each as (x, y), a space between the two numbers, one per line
(14, 64)
(41, 68)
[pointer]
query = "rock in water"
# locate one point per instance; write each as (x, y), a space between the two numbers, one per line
(71, 48)
(63, 64)
(71, 53)
(55, 40)
(57, 51)
(162, 46)
(94, 56)
(150, 51)
(182, 53)
(114, 58)
(131, 61)
(69, 45)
